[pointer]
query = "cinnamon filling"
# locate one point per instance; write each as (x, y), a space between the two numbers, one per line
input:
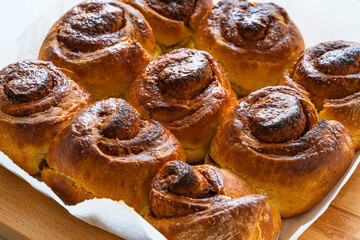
(28, 84)
(180, 189)
(185, 180)
(247, 23)
(344, 61)
(178, 10)
(90, 27)
(277, 118)
(122, 125)
(121, 130)
(185, 75)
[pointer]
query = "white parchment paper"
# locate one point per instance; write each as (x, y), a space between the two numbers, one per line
(318, 21)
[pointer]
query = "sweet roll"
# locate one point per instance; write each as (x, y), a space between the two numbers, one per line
(203, 202)
(330, 74)
(173, 22)
(102, 44)
(107, 151)
(254, 42)
(273, 138)
(188, 93)
(36, 99)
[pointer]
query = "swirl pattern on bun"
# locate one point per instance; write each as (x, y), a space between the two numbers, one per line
(274, 139)
(106, 150)
(173, 22)
(203, 202)
(36, 99)
(187, 92)
(330, 74)
(254, 42)
(102, 44)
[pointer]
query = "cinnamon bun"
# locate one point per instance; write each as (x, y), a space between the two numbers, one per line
(203, 202)
(254, 42)
(188, 93)
(36, 99)
(274, 139)
(330, 73)
(102, 44)
(173, 22)
(107, 151)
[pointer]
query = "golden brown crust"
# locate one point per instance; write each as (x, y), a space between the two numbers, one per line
(295, 167)
(173, 22)
(106, 150)
(64, 187)
(188, 92)
(254, 42)
(330, 73)
(35, 101)
(102, 44)
(204, 202)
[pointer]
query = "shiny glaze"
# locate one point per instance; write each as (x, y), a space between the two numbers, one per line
(36, 99)
(287, 140)
(333, 67)
(94, 25)
(183, 90)
(179, 10)
(278, 117)
(180, 84)
(285, 123)
(193, 202)
(172, 21)
(31, 86)
(32, 83)
(28, 81)
(180, 189)
(274, 138)
(344, 61)
(184, 75)
(106, 150)
(102, 44)
(252, 25)
(330, 74)
(254, 42)
(123, 125)
(117, 130)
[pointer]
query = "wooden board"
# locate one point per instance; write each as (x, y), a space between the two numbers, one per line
(27, 214)
(342, 219)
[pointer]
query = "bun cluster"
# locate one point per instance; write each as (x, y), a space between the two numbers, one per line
(127, 93)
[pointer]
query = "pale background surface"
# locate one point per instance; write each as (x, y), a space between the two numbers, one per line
(16, 15)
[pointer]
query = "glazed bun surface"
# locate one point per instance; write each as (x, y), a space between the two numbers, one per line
(102, 44)
(173, 22)
(36, 99)
(254, 42)
(106, 150)
(188, 93)
(330, 74)
(203, 202)
(274, 139)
